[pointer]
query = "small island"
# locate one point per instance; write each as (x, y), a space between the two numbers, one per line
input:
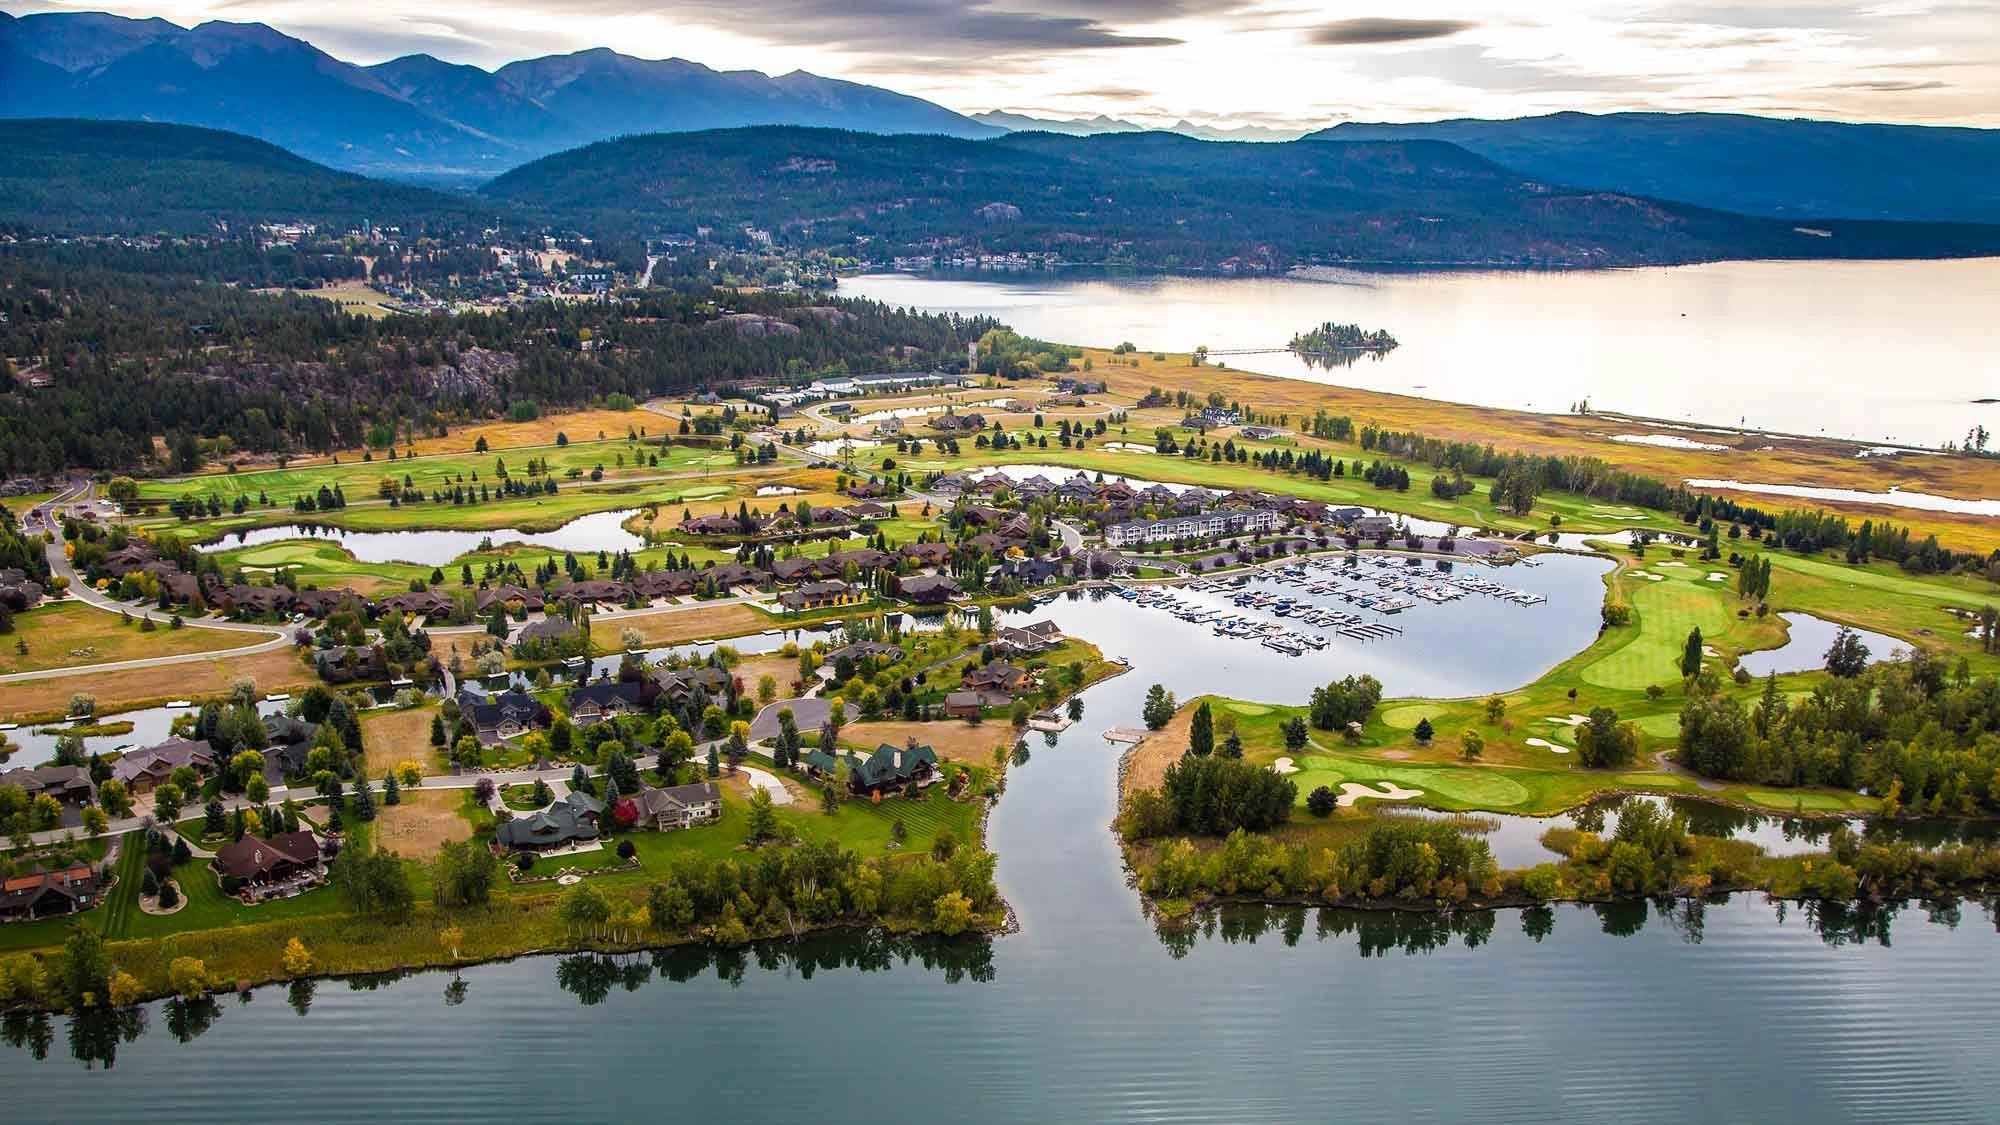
(1341, 344)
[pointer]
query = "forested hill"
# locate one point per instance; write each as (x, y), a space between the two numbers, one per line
(1756, 165)
(116, 177)
(1158, 200)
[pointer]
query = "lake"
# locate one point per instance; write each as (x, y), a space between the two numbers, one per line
(1737, 1010)
(599, 531)
(1798, 347)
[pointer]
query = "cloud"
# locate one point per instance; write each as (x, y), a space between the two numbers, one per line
(1109, 93)
(1887, 86)
(1370, 30)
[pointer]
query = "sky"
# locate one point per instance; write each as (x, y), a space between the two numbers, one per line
(1274, 63)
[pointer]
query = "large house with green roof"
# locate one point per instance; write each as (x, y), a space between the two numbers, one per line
(892, 769)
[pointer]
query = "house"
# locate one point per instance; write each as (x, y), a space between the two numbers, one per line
(287, 743)
(1032, 572)
(963, 704)
(1026, 641)
(1373, 527)
(549, 632)
(254, 859)
(41, 892)
(70, 785)
(417, 603)
(728, 576)
(926, 554)
(996, 676)
(865, 650)
(928, 589)
(572, 820)
(821, 765)
(892, 768)
(595, 591)
(17, 591)
(814, 595)
(497, 718)
(680, 806)
(144, 770)
(594, 703)
(950, 485)
(342, 664)
(513, 598)
(712, 682)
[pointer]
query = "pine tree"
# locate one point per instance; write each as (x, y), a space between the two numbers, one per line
(1201, 734)
(392, 792)
(364, 800)
(1691, 655)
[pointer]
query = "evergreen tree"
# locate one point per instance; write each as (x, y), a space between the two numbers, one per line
(1201, 733)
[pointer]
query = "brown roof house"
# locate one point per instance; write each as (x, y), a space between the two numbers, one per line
(254, 859)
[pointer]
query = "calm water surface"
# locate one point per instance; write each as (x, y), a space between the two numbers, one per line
(1739, 1011)
(1881, 351)
(600, 531)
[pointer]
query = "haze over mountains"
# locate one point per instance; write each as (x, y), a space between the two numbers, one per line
(1756, 165)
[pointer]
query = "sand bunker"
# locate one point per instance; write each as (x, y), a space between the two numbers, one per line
(1717, 576)
(1574, 720)
(1284, 765)
(1549, 746)
(1351, 792)
(1672, 562)
(1649, 576)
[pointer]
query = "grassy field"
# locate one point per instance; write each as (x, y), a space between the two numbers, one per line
(72, 634)
(278, 670)
(358, 479)
(392, 736)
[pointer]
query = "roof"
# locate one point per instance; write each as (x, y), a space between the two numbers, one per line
(822, 761)
(560, 823)
(653, 802)
(163, 759)
(254, 855)
(890, 765)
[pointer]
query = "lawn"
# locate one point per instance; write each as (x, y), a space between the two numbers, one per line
(1665, 611)
(72, 634)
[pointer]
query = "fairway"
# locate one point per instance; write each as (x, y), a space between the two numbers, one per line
(1463, 785)
(1664, 612)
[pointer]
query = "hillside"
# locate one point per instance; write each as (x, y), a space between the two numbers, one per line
(415, 116)
(1755, 165)
(100, 177)
(1160, 200)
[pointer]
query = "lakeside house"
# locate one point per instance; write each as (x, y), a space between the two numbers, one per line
(679, 806)
(818, 595)
(69, 785)
(964, 704)
(42, 892)
(285, 857)
(892, 769)
(144, 770)
(594, 703)
(497, 718)
(928, 589)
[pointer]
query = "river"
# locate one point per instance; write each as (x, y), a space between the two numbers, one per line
(1796, 347)
(1738, 1011)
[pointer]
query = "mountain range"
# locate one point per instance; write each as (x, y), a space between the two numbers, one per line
(1104, 123)
(415, 116)
(1757, 165)
(1160, 200)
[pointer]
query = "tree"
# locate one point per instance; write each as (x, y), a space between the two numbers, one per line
(392, 790)
(464, 874)
(951, 913)
(374, 883)
(1603, 742)
(1201, 732)
(1496, 708)
(1424, 730)
(83, 970)
(1847, 657)
(763, 819)
(1691, 654)
(1321, 802)
(1159, 709)
(1295, 732)
(167, 802)
(115, 797)
(297, 959)
(584, 908)
(1471, 745)
(364, 800)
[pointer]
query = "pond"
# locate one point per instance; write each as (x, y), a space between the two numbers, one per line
(1805, 646)
(1796, 347)
(599, 531)
(1091, 1013)
(150, 726)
